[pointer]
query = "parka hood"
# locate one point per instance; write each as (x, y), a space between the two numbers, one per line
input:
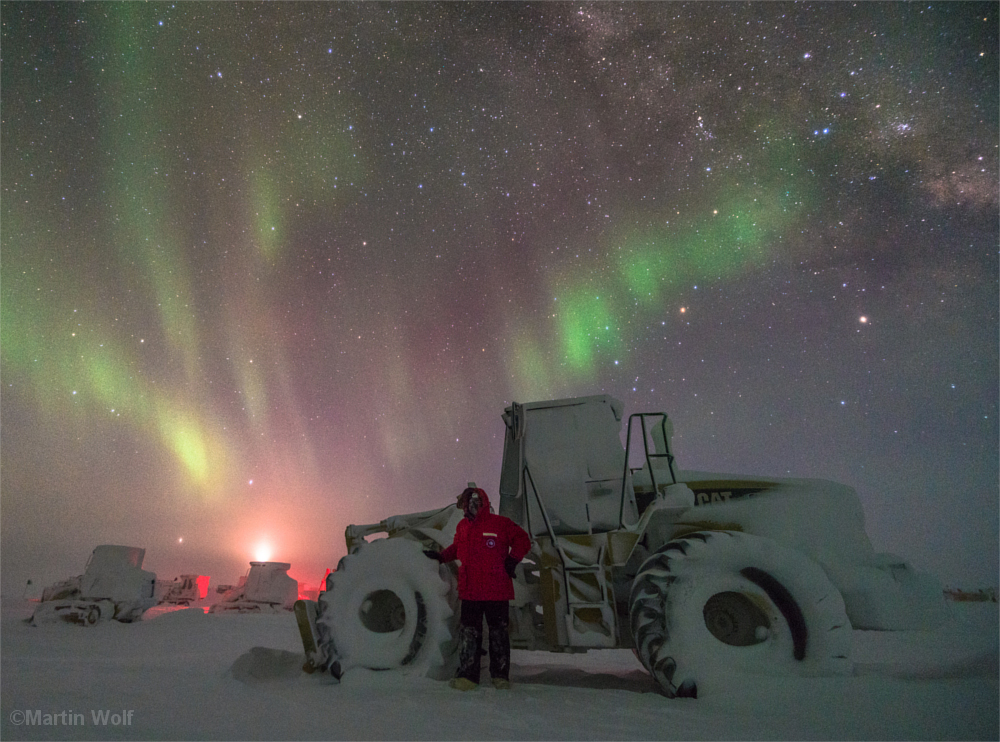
(484, 500)
(485, 506)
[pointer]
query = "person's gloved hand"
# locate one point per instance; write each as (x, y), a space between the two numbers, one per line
(509, 564)
(435, 555)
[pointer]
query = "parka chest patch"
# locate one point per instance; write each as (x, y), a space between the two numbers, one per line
(491, 540)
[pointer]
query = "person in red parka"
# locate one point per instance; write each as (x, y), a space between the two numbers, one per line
(489, 547)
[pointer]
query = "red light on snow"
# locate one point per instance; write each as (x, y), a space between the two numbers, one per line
(312, 593)
(203, 586)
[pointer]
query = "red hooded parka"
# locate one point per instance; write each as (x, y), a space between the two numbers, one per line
(482, 545)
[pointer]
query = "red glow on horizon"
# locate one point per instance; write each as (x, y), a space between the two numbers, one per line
(281, 527)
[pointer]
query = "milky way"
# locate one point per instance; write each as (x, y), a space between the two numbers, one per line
(270, 269)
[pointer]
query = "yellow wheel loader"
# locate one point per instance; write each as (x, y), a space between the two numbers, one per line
(701, 574)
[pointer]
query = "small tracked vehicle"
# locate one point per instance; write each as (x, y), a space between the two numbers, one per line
(267, 588)
(112, 586)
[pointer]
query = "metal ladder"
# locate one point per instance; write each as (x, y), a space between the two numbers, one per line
(575, 574)
(587, 599)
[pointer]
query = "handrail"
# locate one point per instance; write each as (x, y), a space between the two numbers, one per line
(645, 446)
(548, 527)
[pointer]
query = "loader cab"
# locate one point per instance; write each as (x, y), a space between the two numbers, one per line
(566, 480)
(565, 470)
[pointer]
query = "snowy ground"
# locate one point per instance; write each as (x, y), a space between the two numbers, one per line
(187, 675)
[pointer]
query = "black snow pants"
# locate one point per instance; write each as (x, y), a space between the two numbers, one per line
(470, 638)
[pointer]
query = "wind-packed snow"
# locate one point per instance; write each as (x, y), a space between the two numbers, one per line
(188, 675)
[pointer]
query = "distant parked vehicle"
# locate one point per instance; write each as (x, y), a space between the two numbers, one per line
(112, 586)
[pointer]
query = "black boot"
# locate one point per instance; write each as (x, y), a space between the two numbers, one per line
(469, 642)
(499, 654)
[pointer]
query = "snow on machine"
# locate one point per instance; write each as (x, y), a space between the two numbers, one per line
(267, 588)
(183, 590)
(701, 574)
(112, 586)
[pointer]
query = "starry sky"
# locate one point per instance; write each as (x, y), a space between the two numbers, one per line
(271, 269)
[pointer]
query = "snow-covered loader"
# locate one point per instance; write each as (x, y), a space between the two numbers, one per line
(112, 586)
(267, 588)
(701, 574)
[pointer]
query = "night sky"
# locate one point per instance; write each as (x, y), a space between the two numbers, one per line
(271, 269)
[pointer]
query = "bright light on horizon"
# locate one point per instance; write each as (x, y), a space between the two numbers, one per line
(262, 552)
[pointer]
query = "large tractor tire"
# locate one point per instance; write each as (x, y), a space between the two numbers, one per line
(390, 607)
(715, 603)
